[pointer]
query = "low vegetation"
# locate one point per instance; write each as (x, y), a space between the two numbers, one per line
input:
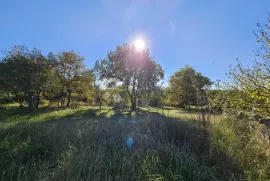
(90, 144)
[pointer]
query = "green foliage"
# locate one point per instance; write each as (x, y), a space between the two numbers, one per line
(29, 76)
(71, 74)
(219, 101)
(187, 87)
(156, 98)
(251, 85)
(135, 70)
(24, 73)
(84, 86)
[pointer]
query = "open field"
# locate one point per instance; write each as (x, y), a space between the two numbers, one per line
(90, 144)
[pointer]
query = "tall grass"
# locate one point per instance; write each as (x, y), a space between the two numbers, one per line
(234, 138)
(88, 144)
(242, 143)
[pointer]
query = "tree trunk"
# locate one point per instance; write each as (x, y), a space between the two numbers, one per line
(189, 109)
(30, 103)
(9, 99)
(21, 103)
(69, 97)
(100, 104)
(133, 105)
(133, 98)
(61, 102)
(37, 100)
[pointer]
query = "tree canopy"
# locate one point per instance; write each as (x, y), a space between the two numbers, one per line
(70, 71)
(135, 70)
(185, 85)
(29, 75)
(24, 73)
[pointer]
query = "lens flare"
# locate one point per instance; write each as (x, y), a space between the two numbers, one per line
(129, 142)
(139, 44)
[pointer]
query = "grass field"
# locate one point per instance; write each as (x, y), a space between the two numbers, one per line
(90, 144)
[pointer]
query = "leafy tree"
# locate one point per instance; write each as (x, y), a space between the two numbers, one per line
(155, 98)
(135, 70)
(84, 87)
(252, 85)
(186, 87)
(53, 89)
(70, 69)
(24, 73)
(98, 92)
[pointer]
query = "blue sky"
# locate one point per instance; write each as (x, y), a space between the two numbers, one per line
(206, 34)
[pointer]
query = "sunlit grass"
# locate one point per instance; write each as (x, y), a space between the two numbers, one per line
(90, 144)
(13, 116)
(235, 138)
(185, 115)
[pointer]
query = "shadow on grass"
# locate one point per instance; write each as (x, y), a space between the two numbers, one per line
(93, 148)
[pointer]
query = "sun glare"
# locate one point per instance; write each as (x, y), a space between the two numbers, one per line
(139, 44)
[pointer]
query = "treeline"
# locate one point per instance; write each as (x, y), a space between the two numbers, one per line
(31, 77)
(127, 77)
(28, 76)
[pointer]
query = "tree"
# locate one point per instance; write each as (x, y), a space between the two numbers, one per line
(155, 98)
(251, 86)
(186, 87)
(98, 92)
(53, 89)
(135, 70)
(84, 87)
(70, 69)
(24, 73)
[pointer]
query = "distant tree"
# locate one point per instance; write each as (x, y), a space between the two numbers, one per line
(167, 99)
(98, 92)
(70, 69)
(135, 70)
(186, 87)
(251, 86)
(155, 98)
(84, 87)
(24, 73)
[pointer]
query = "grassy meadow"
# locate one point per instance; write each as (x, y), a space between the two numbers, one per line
(86, 143)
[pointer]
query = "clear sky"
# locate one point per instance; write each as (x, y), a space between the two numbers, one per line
(206, 34)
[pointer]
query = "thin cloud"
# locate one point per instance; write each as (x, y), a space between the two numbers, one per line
(172, 27)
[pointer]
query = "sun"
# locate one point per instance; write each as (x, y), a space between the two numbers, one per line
(139, 44)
